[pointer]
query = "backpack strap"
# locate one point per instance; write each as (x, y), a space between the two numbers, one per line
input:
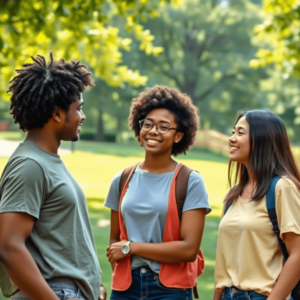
(181, 185)
(271, 207)
(125, 176)
(181, 188)
(227, 205)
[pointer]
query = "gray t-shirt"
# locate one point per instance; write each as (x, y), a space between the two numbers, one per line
(144, 206)
(37, 182)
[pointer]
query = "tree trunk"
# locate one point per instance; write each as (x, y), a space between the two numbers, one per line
(100, 129)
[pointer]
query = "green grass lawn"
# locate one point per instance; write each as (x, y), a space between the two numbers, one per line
(205, 281)
(12, 135)
(94, 164)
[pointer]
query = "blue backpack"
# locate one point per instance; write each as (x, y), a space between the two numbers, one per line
(271, 207)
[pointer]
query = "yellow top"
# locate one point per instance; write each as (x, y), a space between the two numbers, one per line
(248, 253)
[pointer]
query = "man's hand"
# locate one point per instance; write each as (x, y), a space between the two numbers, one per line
(114, 252)
(103, 293)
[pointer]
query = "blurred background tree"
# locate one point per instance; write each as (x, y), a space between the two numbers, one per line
(75, 29)
(207, 48)
(280, 30)
(201, 47)
(280, 47)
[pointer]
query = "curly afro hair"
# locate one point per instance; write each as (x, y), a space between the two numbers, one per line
(179, 104)
(40, 88)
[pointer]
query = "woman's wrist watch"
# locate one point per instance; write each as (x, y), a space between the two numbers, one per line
(126, 248)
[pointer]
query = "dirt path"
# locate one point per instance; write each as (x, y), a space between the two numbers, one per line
(7, 148)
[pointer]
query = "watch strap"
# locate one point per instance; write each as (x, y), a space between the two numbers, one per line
(128, 244)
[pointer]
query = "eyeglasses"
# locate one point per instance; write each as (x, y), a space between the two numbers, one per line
(161, 127)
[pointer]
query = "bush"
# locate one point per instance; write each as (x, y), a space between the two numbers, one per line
(110, 137)
(91, 136)
(88, 136)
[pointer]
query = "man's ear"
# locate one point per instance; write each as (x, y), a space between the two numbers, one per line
(56, 115)
(178, 137)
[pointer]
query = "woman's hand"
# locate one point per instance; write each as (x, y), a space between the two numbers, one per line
(217, 294)
(114, 252)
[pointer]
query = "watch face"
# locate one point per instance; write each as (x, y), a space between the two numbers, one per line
(125, 249)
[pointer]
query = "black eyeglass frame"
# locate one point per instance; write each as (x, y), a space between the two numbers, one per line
(141, 126)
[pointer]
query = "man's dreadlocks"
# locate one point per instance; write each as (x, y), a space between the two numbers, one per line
(40, 88)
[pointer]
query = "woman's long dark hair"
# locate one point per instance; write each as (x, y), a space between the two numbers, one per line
(270, 155)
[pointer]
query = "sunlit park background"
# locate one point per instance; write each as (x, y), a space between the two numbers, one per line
(228, 55)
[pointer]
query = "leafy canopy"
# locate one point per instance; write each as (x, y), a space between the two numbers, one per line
(207, 48)
(77, 30)
(280, 30)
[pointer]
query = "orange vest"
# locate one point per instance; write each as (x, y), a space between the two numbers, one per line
(173, 275)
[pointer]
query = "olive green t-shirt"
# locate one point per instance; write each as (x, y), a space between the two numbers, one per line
(37, 182)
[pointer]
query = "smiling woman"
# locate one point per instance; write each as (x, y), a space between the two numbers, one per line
(153, 250)
(251, 265)
(179, 105)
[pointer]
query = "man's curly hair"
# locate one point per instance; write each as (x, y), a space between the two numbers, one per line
(179, 104)
(40, 88)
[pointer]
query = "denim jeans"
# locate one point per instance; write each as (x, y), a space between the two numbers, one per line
(146, 285)
(233, 293)
(64, 288)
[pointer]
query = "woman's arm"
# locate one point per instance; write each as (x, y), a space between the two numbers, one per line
(191, 231)
(290, 273)
(217, 294)
(114, 230)
(114, 227)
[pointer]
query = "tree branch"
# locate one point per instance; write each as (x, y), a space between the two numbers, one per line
(169, 61)
(10, 22)
(209, 90)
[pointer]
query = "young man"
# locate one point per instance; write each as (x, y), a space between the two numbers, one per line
(46, 241)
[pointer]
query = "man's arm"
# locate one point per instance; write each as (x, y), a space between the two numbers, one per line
(16, 259)
(114, 231)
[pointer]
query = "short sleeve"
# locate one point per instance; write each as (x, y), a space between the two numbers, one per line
(22, 188)
(196, 196)
(287, 206)
(112, 199)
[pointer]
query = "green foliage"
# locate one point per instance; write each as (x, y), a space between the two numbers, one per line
(283, 98)
(280, 32)
(75, 29)
(207, 48)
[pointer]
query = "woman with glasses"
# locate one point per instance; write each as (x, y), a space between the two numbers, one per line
(153, 254)
(249, 261)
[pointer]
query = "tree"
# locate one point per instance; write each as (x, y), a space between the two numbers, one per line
(280, 31)
(207, 48)
(283, 97)
(74, 29)
(113, 101)
(281, 50)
